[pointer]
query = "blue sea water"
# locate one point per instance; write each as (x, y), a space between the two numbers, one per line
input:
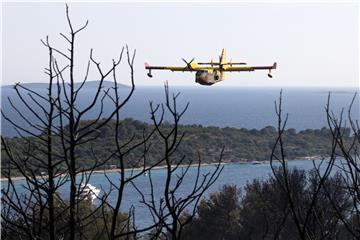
(216, 106)
(232, 174)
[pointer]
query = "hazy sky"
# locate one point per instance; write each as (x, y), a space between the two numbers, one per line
(314, 44)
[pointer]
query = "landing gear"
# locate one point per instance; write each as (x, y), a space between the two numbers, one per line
(149, 74)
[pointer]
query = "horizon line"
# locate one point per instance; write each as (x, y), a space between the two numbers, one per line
(194, 85)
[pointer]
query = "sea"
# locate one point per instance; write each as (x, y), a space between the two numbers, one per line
(240, 107)
(251, 108)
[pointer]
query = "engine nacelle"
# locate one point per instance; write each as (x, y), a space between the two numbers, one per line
(205, 77)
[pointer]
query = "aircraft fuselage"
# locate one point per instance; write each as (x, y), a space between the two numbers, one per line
(205, 77)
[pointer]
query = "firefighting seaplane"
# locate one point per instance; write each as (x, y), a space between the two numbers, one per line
(208, 73)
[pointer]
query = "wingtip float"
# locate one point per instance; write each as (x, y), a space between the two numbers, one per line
(209, 73)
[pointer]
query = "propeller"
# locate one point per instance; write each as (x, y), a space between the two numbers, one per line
(188, 64)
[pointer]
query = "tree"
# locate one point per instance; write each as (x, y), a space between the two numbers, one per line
(309, 219)
(218, 217)
(36, 210)
(349, 165)
(263, 212)
(266, 210)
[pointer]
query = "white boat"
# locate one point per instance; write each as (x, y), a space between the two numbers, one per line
(89, 192)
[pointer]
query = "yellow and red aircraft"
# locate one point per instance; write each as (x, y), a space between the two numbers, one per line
(208, 73)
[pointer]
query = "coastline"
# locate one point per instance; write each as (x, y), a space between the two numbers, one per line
(112, 170)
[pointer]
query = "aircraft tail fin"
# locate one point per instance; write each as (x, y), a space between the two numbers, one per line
(223, 56)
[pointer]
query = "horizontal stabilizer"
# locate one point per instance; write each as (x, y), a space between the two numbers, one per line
(227, 63)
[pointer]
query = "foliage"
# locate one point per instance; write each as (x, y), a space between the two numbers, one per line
(263, 212)
(218, 216)
(240, 144)
(92, 225)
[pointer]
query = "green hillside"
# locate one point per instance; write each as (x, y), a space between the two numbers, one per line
(240, 144)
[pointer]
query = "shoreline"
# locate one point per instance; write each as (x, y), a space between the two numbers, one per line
(112, 170)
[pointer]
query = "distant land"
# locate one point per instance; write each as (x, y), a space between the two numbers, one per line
(88, 84)
(241, 145)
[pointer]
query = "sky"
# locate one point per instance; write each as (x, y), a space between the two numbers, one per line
(314, 44)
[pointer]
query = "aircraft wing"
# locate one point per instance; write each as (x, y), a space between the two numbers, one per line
(248, 68)
(171, 68)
